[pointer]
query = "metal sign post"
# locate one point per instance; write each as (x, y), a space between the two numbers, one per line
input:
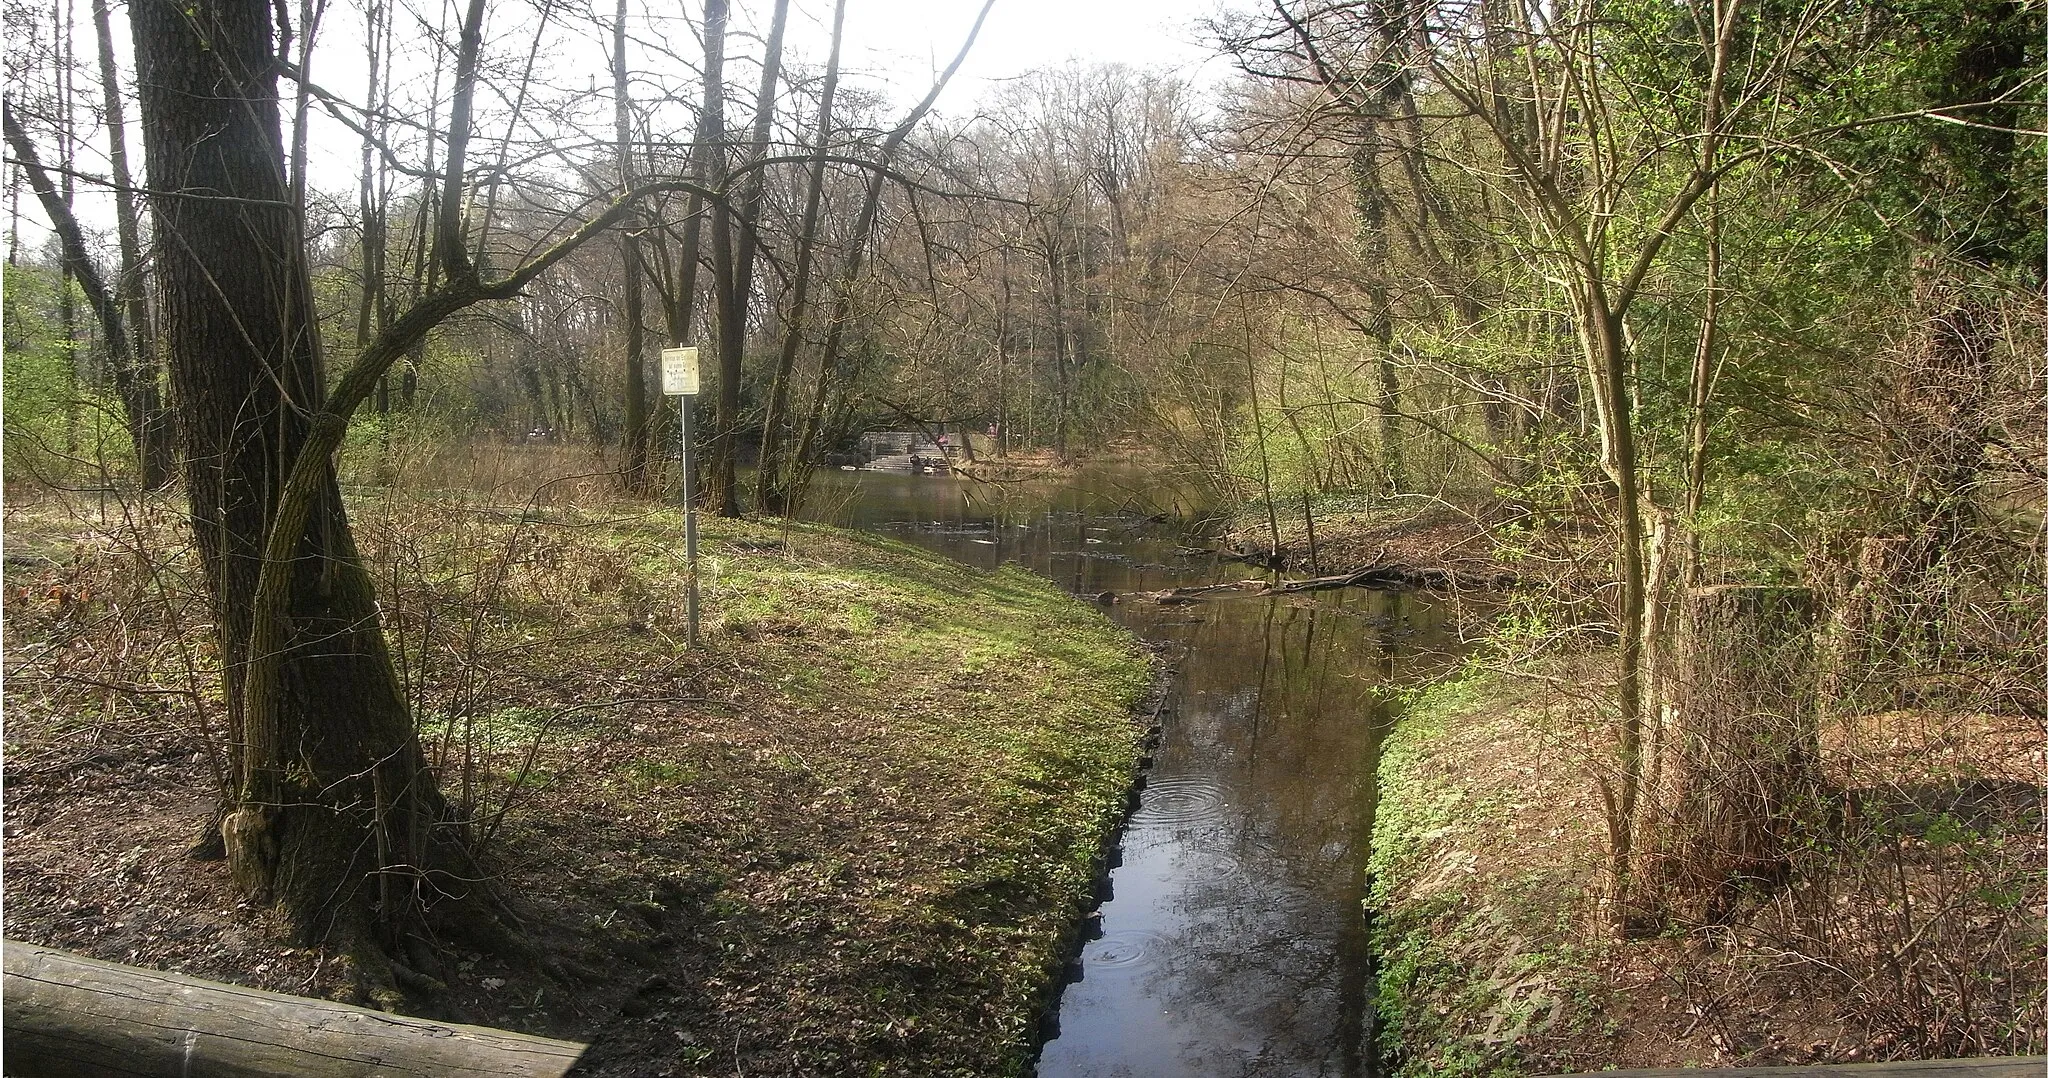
(679, 379)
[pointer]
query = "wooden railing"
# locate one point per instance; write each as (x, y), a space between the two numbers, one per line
(1985, 1067)
(67, 1015)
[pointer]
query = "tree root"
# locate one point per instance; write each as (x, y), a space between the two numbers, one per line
(208, 845)
(370, 971)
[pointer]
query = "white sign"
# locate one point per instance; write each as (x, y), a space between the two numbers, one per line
(679, 371)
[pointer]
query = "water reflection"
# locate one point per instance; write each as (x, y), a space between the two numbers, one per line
(1234, 940)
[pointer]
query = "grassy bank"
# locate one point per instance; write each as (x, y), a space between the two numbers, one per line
(1911, 926)
(845, 836)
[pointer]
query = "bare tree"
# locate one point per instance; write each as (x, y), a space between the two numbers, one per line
(863, 232)
(733, 253)
(634, 468)
(135, 377)
(771, 485)
(142, 405)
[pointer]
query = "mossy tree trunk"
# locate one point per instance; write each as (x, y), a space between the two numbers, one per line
(334, 814)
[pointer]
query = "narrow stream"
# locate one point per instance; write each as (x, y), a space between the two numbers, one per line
(1232, 940)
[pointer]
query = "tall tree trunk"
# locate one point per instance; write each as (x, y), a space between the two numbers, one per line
(1251, 386)
(336, 812)
(733, 260)
(707, 165)
(14, 217)
(1061, 367)
(426, 265)
(136, 375)
(1699, 420)
(374, 313)
(1607, 358)
(1374, 249)
(771, 486)
(67, 275)
(634, 470)
(1003, 364)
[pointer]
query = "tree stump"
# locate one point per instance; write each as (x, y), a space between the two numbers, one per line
(1865, 624)
(1745, 748)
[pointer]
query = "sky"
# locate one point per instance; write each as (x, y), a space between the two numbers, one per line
(914, 39)
(895, 46)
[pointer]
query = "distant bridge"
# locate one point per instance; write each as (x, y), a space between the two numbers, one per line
(908, 452)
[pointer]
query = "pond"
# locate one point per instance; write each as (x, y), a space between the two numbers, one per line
(1232, 938)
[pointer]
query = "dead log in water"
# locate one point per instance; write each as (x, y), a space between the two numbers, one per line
(1372, 576)
(1385, 577)
(1178, 596)
(67, 1015)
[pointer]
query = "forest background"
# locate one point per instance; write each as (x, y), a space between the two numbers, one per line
(1658, 296)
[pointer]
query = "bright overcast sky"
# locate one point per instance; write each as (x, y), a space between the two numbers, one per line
(899, 44)
(911, 40)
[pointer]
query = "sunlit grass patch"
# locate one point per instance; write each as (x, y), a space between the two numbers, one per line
(873, 793)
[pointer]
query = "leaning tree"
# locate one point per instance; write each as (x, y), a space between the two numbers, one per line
(333, 814)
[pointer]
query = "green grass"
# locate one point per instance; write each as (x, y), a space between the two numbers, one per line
(988, 713)
(1468, 956)
(883, 775)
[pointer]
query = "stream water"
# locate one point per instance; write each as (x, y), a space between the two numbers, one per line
(1232, 938)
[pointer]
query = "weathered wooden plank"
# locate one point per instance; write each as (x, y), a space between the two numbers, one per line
(1983, 1067)
(67, 1015)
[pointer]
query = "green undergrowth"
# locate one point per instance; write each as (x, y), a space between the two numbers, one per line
(1477, 887)
(1496, 952)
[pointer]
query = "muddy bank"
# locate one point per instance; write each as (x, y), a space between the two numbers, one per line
(1911, 927)
(852, 834)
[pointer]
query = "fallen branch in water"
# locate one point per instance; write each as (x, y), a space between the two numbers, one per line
(1385, 577)
(1370, 576)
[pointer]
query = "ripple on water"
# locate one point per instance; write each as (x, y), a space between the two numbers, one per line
(1178, 802)
(1126, 949)
(1214, 867)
